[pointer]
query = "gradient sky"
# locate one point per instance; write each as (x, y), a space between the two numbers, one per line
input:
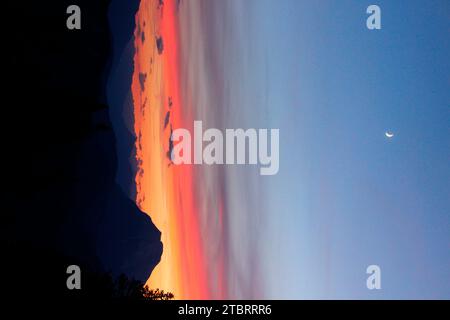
(346, 196)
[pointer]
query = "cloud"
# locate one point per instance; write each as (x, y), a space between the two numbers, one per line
(142, 78)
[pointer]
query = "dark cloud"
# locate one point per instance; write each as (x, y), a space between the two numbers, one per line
(142, 78)
(169, 152)
(166, 119)
(160, 44)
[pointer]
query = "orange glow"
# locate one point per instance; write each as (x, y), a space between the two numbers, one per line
(164, 191)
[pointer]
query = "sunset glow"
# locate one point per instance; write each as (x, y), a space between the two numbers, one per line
(165, 192)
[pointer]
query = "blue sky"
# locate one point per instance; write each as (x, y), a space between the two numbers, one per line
(346, 196)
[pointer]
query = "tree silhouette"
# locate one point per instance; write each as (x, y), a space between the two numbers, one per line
(156, 294)
(124, 287)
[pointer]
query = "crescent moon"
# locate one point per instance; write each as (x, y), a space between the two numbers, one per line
(388, 134)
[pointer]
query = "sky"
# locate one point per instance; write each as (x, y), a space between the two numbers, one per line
(346, 196)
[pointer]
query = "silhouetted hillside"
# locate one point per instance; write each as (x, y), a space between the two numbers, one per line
(62, 202)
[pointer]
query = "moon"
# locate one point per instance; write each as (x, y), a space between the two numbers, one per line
(388, 134)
